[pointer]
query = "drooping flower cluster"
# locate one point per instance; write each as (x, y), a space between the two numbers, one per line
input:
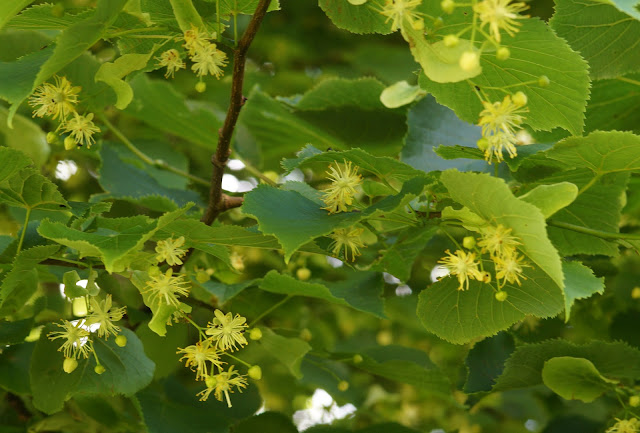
(165, 288)
(58, 101)
(225, 334)
(207, 59)
(77, 336)
(399, 11)
(625, 426)
(348, 240)
(500, 122)
(500, 15)
(502, 249)
(339, 196)
(169, 251)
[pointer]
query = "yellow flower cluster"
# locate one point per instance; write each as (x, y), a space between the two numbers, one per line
(625, 426)
(339, 196)
(169, 251)
(402, 12)
(165, 288)
(226, 333)
(206, 57)
(499, 122)
(502, 248)
(59, 101)
(77, 338)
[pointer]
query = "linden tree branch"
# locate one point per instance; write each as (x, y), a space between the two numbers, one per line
(217, 201)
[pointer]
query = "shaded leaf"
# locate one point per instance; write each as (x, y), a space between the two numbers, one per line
(288, 351)
(357, 19)
(113, 73)
(575, 379)
(485, 362)
(579, 283)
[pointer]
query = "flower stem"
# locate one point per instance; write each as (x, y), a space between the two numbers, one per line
(269, 310)
(24, 230)
(593, 232)
(238, 359)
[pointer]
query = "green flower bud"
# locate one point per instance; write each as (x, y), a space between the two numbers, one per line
(357, 359)
(99, 369)
(501, 296)
(343, 385)
(121, 340)
(520, 99)
(303, 274)
(255, 372)
(255, 334)
(544, 81)
(482, 144)
(448, 6)
(469, 242)
(69, 365)
(451, 41)
(503, 53)
(69, 143)
(201, 86)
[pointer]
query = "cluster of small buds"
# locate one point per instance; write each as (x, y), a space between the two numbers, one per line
(77, 336)
(501, 246)
(58, 101)
(223, 335)
(207, 59)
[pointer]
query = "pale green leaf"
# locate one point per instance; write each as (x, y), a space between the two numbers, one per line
(579, 283)
(25, 136)
(288, 351)
(11, 161)
(399, 258)
(41, 17)
(535, 51)
(31, 190)
(127, 370)
(186, 14)
(399, 94)
(357, 19)
(605, 35)
(362, 93)
(245, 7)
(575, 379)
(113, 73)
(9, 9)
(551, 198)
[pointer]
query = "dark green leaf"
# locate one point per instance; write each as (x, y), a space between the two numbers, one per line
(485, 362)
(575, 379)
(579, 283)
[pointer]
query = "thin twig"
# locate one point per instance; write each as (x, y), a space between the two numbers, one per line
(218, 203)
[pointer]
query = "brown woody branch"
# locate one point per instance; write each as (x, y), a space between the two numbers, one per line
(218, 201)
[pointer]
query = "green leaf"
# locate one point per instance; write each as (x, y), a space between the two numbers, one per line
(186, 14)
(382, 166)
(535, 51)
(362, 93)
(524, 367)
(31, 190)
(288, 351)
(526, 221)
(245, 7)
(613, 105)
(399, 258)
(128, 370)
(225, 292)
(551, 198)
(361, 290)
(603, 34)
(11, 161)
(579, 283)
(22, 281)
(41, 17)
(26, 136)
(399, 94)
(9, 9)
(433, 125)
(458, 152)
(117, 238)
(159, 105)
(162, 350)
(113, 73)
(267, 422)
(304, 220)
(575, 379)
(14, 368)
(462, 316)
(485, 362)
(14, 332)
(357, 19)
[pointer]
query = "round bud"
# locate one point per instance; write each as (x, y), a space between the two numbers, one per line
(201, 86)
(503, 53)
(255, 334)
(448, 6)
(451, 41)
(69, 365)
(469, 242)
(303, 274)
(271, 175)
(306, 335)
(357, 2)
(635, 293)
(343, 385)
(520, 99)
(438, 22)
(544, 81)
(52, 137)
(486, 277)
(255, 372)
(202, 276)
(501, 296)
(634, 401)
(69, 143)
(418, 24)
(121, 340)
(482, 144)
(99, 369)
(210, 381)
(79, 306)
(57, 10)
(357, 359)
(469, 60)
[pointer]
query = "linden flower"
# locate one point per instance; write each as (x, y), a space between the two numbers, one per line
(349, 239)
(102, 313)
(76, 338)
(81, 129)
(57, 100)
(509, 268)
(194, 40)
(399, 10)
(169, 250)
(227, 331)
(499, 142)
(500, 14)
(343, 187)
(172, 61)
(209, 60)
(498, 241)
(464, 266)
(165, 288)
(223, 383)
(499, 121)
(197, 356)
(625, 426)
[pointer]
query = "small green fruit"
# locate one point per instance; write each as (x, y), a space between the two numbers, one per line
(69, 143)
(469, 242)
(303, 274)
(501, 296)
(343, 385)
(255, 372)
(255, 334)
(201, 87)
(544, 81)
(121, 340)
(99, 369)
(69, 365)
(503, 53)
